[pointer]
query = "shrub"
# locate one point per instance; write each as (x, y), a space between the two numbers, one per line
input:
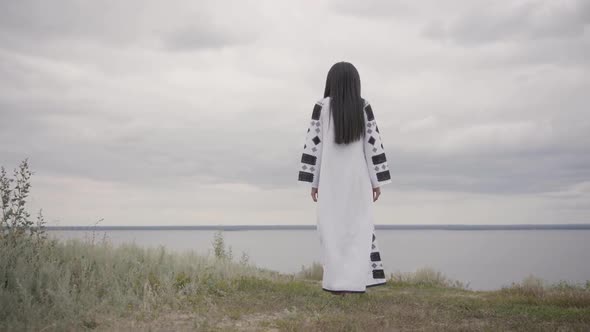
(219, 247)
(15, 220)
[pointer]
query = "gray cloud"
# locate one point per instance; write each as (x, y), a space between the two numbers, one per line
(203, 37)
(40, 21)
(519, 21)
(125, 24)
(374, 8)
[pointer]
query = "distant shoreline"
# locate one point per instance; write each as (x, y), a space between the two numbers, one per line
(458, 227)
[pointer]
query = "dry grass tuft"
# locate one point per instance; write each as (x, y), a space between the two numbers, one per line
(426, 277)
(533, 290)
(314, 272)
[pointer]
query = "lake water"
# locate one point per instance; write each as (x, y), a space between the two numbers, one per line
(484, 259)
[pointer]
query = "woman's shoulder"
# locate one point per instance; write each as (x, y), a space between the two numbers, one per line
(324, 101)
(321, 106)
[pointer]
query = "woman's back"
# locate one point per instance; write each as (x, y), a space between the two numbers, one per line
(342, 162)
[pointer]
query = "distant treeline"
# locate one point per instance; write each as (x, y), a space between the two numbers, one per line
(313, 227)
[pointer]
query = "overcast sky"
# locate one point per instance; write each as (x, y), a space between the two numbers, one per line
(194, 112)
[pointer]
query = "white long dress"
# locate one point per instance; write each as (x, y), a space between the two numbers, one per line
(345, 175)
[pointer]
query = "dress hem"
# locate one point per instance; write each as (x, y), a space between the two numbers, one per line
(342, 291)
(353, 291)
(379, 284)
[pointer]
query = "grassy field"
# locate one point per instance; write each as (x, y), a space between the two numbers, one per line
(92, 285)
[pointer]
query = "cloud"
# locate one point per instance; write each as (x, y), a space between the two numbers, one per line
(518, 21)
(426, 123)
(373, 8)
(202, 37)
(182, 25)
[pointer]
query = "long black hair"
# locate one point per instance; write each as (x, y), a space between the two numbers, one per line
(343, 86)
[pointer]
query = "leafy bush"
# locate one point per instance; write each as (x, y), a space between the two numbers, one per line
(219, 247)
(15, 220)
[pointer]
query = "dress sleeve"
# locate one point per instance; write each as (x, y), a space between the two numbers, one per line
(374, 151)
(311, 158)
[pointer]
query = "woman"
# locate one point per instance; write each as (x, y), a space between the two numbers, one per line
(344, 157)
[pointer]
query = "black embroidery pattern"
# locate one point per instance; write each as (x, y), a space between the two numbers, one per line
(375, 256)
(369, 112)
(379, 274)
(308, 159)
(376, 265)
(380, 170)
(311, 158)
(305, 176)
(383, 176)
(317, 110)
(379, 159)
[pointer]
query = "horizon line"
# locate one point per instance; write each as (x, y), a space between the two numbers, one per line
(313, 226)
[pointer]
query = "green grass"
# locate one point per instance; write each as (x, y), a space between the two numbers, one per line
(82, 285)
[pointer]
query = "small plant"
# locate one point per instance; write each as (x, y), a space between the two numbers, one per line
(245, 259)
(15, 220)
(181, 280)
(219, 247)
(313, 272)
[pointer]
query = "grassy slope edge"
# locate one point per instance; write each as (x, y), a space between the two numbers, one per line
(72, 285)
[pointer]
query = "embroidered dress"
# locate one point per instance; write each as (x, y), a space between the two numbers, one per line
(345, 175)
